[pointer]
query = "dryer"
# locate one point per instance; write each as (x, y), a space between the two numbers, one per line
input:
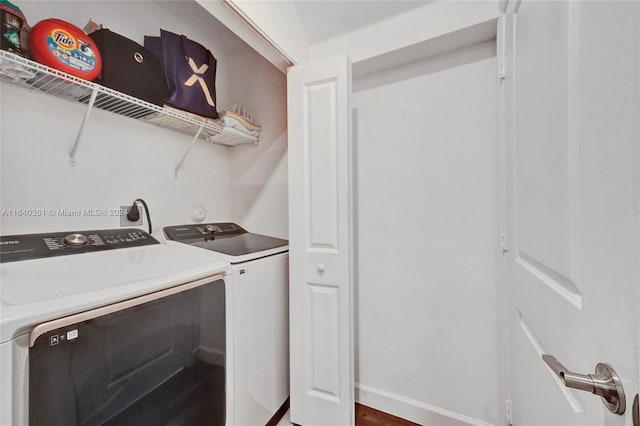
(259, 291)
(111, 326)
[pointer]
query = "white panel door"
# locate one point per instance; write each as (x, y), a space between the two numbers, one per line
(320, 288)
(571, 97)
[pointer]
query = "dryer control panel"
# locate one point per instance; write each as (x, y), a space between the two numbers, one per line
(36, 246)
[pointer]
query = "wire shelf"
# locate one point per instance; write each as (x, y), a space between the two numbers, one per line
(25, 73)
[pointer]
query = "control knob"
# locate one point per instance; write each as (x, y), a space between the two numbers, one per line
(76, 240)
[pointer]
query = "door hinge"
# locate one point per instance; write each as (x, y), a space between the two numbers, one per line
(503, 240)
(508, 413)
(501, 47)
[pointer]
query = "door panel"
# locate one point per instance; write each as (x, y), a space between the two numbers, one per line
(541, 157)
(325, 331)
(321, 313)
(572, 164)
(322, 180)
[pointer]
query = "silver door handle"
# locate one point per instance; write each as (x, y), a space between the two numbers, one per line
(605, 382)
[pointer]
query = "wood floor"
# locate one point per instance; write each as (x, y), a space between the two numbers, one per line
(367, 416)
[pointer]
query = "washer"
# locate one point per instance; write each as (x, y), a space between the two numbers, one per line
(260, 292)
(94, 324)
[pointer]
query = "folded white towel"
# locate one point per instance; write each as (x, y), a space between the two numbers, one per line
(234, 122)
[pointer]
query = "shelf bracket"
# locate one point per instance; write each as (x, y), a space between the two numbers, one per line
(74, 150)
(186, 152)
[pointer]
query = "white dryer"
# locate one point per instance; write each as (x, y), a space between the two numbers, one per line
(110, 326)
(260, 295)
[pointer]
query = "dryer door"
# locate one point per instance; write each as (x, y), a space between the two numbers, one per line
(156, 359)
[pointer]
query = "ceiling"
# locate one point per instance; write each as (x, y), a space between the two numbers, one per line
(323, 19)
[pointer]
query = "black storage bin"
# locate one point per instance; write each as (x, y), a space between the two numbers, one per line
(128, 67)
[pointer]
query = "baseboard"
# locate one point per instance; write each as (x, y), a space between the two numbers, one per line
(211, 356)
(410, 409)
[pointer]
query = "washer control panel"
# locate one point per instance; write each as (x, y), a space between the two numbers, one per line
(36, 246)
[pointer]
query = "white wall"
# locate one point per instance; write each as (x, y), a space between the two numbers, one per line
(237, 23)
(121, 159)
(259, 180)
(426, 239)
(277, 20)
(293, 25)
(118, 161)
(434, 19)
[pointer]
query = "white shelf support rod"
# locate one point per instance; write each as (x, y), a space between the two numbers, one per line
(74, 150)
(186, 152)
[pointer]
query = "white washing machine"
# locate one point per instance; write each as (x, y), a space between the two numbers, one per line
(260, 295)
(110, 326)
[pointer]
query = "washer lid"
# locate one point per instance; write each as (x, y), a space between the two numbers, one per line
(228, 239)
(241, 244)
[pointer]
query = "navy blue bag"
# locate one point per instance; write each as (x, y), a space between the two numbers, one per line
(189, 70)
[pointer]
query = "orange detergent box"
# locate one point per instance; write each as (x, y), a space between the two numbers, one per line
(63, 46)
